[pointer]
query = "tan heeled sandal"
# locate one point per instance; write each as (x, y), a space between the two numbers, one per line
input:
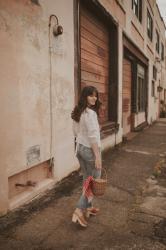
(79, 219)
(92, 211)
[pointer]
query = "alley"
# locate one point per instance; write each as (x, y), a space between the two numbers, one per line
(132, 212)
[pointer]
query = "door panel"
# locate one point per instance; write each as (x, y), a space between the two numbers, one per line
(126, 97)
(94, 45)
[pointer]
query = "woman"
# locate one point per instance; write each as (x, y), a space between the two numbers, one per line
(87, 133)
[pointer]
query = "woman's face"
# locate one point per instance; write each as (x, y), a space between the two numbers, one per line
(91, 99)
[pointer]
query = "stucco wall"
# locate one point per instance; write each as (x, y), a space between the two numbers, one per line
(62, 88)
(25, 86)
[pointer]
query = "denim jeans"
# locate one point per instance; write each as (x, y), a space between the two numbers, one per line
(86, 159)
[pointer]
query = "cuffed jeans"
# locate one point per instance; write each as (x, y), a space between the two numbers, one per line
(86, 159)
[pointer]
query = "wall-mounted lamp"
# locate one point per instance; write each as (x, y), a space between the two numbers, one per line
(159, 88)
(157, 59)
(158, 64)
(57, 29)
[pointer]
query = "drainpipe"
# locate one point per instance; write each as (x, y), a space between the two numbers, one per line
(56, 30)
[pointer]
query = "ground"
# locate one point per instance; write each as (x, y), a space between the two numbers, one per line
(132, 211)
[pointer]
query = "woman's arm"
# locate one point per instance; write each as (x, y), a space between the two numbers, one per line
(97, 154)
(92, 130)
(75, 128)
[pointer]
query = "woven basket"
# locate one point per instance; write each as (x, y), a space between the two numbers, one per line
(99, 185)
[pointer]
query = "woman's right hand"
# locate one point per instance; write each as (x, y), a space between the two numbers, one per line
(97, 155)
(98, 163)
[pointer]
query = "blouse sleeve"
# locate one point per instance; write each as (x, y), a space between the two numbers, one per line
(91, 125)
(75, 128)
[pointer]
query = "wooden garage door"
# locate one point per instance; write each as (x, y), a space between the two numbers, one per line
(126, 94)
(94, 39)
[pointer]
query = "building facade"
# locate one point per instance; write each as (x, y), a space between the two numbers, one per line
(49, 51)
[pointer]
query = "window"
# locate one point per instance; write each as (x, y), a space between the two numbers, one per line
(165, 96)
(154, 73)
(141, 94)
(137, 8)
(162, 51)
(157, 42)
(153, 88)
(149, 25)
(141, 97)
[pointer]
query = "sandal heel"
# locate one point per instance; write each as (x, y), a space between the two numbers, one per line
(87, 214)
(78, 219)
(91, 211)
(74, 218)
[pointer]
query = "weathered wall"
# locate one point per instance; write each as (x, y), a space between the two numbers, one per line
(25, 87)
(62, 88)
(26, 82)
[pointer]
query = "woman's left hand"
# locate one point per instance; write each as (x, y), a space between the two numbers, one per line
(98, 163)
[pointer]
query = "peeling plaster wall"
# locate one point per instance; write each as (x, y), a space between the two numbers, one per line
(26, 82)
(25, 87)
(62, 88)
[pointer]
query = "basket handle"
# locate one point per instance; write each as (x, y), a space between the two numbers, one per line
(104, 172)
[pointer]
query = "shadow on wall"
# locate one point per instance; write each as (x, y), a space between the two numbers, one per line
(35, 2)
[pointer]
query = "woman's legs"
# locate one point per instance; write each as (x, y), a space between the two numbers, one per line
(87, 163)
(83, 201)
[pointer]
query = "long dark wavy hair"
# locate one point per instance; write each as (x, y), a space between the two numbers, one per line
(82, 103)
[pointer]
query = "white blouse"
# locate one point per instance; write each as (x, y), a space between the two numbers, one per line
(87, 130)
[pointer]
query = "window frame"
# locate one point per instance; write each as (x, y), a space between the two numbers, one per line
(165, 96)
(154, 73)
(157, 42)
(141, 100)
(137, 9)
(153, 89)
(149, 25)
(162, 51)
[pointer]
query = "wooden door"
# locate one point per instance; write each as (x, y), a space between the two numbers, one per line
(94, 45)
(126, 97)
